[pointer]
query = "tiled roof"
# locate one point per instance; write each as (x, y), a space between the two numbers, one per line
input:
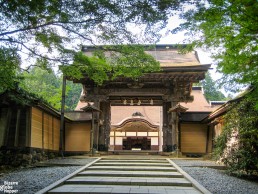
(168, 55)
(199, 103)
(171, 58)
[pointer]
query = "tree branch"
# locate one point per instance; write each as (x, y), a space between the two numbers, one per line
(73, 31)
(48, 24)
(34, 52)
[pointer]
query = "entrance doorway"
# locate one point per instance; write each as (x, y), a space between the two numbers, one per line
(136, 143)
(136, 128)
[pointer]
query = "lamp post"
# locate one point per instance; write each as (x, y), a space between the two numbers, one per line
(92, 109)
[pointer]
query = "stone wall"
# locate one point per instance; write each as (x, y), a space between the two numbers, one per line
(24, 156)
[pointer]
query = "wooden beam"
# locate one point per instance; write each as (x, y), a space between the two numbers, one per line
(17, 128)
(7, 127)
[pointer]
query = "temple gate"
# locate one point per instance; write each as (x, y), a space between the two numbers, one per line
(173, 84)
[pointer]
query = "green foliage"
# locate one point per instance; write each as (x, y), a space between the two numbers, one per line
(50, 32)
(9, 64)
(43, 84)
(73, 92)
(47, 85)
(211, 90)
(132, 61)
(95, 67)
(241, 124)
(108, 62)
(229, 30)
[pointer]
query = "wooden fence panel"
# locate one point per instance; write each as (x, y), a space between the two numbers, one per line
(36, 128)
(193, 138)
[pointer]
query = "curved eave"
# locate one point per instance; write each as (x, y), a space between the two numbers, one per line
(178, 68)
(132, 120)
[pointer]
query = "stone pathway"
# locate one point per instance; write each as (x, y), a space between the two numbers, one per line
(111, 175)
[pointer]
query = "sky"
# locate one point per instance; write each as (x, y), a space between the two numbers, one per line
(179, 38)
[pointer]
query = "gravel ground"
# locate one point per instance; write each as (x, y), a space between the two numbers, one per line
(190, 162)
(70, 161)
(216, 181)
(31, 180)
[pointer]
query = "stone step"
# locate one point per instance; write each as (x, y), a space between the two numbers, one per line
(136, 152)
(128, 176)
(78, 188)
(143, 181)
(131, 174)
(133, 168)
(130, 164)
(133, 160)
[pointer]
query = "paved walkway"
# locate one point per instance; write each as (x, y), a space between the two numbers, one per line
(129, 175)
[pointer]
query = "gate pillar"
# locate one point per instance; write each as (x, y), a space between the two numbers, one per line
(173, 124)
(105, 126)
(167, 135)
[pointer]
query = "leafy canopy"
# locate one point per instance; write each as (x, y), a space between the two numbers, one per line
(47, 33)
(48, 86)
(241, 125)
(9, 62)
(229, 29)
(110, 62)
(211, 90)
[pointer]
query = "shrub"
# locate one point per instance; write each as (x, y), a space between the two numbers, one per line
(237, 145)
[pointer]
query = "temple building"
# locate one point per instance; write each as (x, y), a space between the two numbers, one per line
(135, 115)
(160, 112)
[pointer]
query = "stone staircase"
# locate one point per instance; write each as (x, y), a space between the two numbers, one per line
(128, 176)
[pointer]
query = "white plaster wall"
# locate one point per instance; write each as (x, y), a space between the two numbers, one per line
(119, 141)
(154, 141)
(130, 133)
(153, 133)
(141, 133)
(111, 140)
(120, 133)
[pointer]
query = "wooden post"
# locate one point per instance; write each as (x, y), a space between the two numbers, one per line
(114, 140)
(62, 124)
(104, 133)
(101, 135)
(96, 126)
(107, 124)
(92, 133)
(177, 136)
(17, 128)
(164, 126)
(174, 127)
(175, 111)
(7, 127)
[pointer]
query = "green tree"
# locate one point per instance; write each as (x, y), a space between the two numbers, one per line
(73, 95)
(211, 90)
(237, 145)
(49, 32)
(47, 85)
(9, 66)
(44, 84)
(229, 29)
